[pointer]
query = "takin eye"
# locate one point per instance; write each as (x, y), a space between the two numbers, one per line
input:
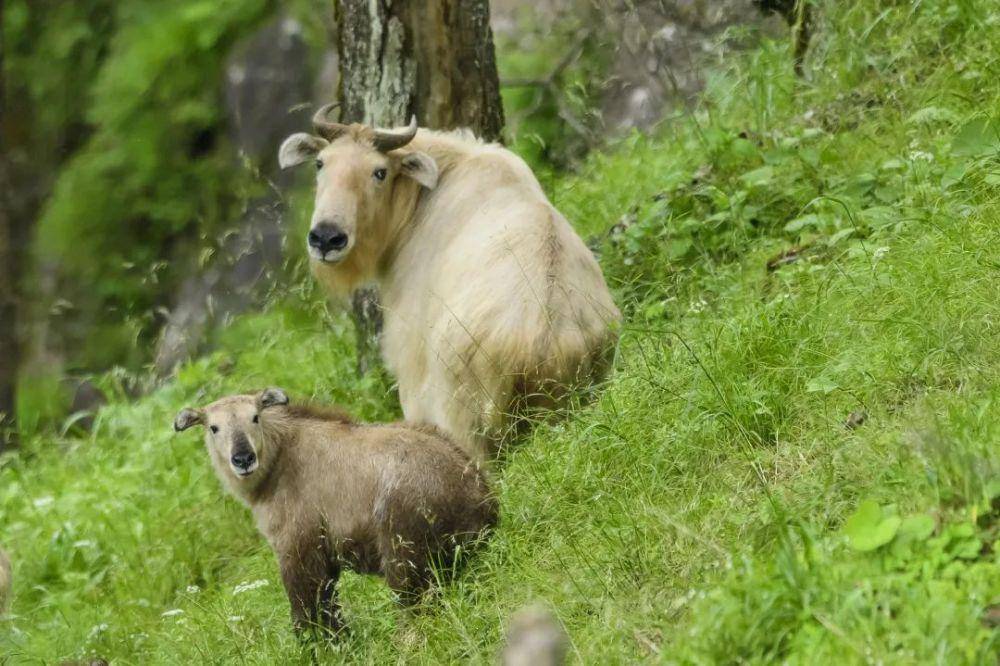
(214, 429)
(378, 174)
(256, 418)
(319, 164)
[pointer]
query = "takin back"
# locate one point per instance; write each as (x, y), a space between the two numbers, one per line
(329, 493)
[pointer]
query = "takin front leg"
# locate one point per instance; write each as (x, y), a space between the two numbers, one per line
(405, 569)
(310, 580)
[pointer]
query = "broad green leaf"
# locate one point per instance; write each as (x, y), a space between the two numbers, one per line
(839, 236)
(967, 549)
(867, 529)
(932, 114)
(758, 177)
(678, 247)
(821, 384)
(977, 138)
(954, 174)
(803, 221)
(918, 527)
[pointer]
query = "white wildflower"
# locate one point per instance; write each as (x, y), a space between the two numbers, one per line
(235, 618)
(879, 253)
(699, 305)
(921, 155)
(96, 630)
(172, 612)
(246, 586)
(192, 589)
(43, 502)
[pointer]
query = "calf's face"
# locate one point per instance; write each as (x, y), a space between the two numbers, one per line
(354, 185)
(233, 431)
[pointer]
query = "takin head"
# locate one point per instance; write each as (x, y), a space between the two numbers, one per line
(357, 169)
(234, 435)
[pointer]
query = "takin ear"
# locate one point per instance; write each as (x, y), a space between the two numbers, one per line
(421, 167)
(272, 397)
(188, 417)
(299, 148)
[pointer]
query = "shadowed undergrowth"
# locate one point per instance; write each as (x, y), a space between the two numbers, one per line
(794, 459)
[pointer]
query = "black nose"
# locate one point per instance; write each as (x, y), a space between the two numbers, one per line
(243, 459)
(326, 237)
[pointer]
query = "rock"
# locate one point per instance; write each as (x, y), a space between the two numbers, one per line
(658, 49)
(534, 638)
(267, 91)
(236, 281)
(856, 419)
(87, 399)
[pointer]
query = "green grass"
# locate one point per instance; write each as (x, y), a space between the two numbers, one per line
(711, 505)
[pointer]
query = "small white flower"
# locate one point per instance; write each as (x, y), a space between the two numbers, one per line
(43, 502)
(921, 155)
(235, 618)
(172, 612)
(96, 630)
(880, 252)
(246, 586)
(699, 305)
(193, 589)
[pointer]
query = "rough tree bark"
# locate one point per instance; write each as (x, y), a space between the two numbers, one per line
(432, 59)
(24, 169)
(8, 276)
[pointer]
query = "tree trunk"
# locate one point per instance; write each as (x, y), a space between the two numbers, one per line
(434, 59)
(400, 58)
(8, 276)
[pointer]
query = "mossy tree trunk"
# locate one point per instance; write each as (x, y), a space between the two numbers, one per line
(8, 297)
(434, 59)
(9, 347)
(400, 58)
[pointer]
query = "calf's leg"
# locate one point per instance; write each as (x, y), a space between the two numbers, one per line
(310, 580)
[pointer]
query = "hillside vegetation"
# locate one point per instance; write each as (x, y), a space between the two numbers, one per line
(795, 458)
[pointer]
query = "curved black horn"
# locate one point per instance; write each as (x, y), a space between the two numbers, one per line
(386, 140)
(325, 128)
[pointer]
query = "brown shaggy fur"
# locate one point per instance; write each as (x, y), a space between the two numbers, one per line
(329, 493)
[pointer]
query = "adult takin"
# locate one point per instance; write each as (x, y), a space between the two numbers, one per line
(491, 300)
(329, 493)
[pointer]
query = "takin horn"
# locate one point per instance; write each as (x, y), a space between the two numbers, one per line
(386, 140)
(324, 127)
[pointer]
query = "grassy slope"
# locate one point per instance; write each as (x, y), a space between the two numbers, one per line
(696, 511)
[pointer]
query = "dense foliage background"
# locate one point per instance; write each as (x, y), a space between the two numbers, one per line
(794, 460)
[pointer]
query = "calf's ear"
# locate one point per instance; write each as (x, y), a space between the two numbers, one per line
(271, 398)
(188, 417)
(421, 167)
(299, 148)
